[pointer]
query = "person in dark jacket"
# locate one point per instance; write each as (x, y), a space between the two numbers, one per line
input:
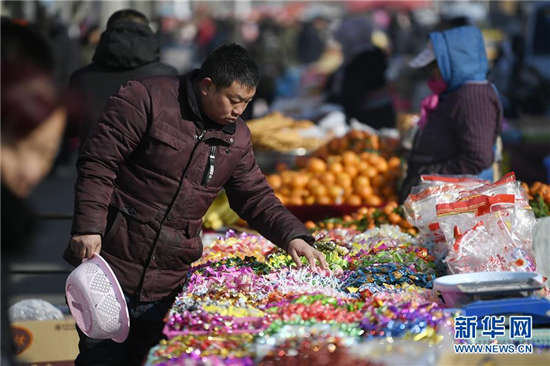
(160, 153)
(360, 83)
(461, 121)
(128, 50)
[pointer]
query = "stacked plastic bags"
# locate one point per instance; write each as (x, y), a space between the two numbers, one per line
(476, 226)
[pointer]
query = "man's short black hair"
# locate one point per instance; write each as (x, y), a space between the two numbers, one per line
(129, 15)
(229, 63)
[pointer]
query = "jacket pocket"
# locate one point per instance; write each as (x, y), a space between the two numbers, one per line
(132, 232)
(166, 138)
(112, 228)
(193, 229)
(133, 207)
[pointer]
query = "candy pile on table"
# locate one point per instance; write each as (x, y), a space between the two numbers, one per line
(248, 304)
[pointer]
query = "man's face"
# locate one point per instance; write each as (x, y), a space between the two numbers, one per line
(224, 105)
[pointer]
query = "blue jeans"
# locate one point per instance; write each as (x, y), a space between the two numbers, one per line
(146, 324)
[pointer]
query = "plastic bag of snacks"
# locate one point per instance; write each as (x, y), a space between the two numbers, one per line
(420, 206)
(486, 233)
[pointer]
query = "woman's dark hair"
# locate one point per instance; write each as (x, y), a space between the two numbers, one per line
(23, 42)
(230, 63)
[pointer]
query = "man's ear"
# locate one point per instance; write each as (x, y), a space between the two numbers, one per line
(207, 86)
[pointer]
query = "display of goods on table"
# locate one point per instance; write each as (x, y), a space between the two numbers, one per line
(348, 179)
(252, 306)
(476, 226)
(539, 198)
(358, 142)
(366, 219)
(276, 132)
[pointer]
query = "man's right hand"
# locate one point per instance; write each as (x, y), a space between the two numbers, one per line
(84, 246)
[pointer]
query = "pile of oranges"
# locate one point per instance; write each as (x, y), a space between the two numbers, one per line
(366, 219)
(539, 198)
(358, 142)
(538, 188)
(351, 178)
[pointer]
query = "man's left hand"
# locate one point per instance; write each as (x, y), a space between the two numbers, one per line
(298, 248)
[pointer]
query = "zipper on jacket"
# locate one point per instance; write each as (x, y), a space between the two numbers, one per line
(209, 170)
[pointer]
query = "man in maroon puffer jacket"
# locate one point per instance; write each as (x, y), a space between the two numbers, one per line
(152, 165)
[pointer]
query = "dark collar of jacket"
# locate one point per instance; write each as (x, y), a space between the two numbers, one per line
(189, 102)
(127, 45)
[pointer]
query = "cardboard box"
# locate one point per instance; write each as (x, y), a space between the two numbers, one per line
(48, 342)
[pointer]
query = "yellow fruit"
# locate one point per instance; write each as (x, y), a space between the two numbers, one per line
(336, 167)
(354, 200)
(316, 166)
(343, 180)
(275, 181)
(350, 158)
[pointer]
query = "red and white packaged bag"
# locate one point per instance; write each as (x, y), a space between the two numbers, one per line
(420, 206)
(486, 233)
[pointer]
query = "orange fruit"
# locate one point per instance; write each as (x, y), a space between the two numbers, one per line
(282, 198)
(387, 209)
(319, 191)
(382, 165)
(362, 166)
(324, 200)
(365, 156)
(312, 184)
(371, 172)
(355, 134)
(275, 181)
(299, 192)
(372, 159)
(394, 218)
(350, 158)
(316, 166)
(335, 191)
(310, 225)
(373, 201)
(336, 167)
(296, 201)
(363, 211)
(361, 181)
(363, 191)
(351, 170)
(286, 177)
(394, 162)
(343, 180)
(327, 178)
(309, 200)
(375, 142)
(285, 191)
(299, 181)
(348, 191)
(354, 200)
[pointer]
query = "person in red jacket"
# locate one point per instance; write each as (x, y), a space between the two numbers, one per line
(161, 151)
